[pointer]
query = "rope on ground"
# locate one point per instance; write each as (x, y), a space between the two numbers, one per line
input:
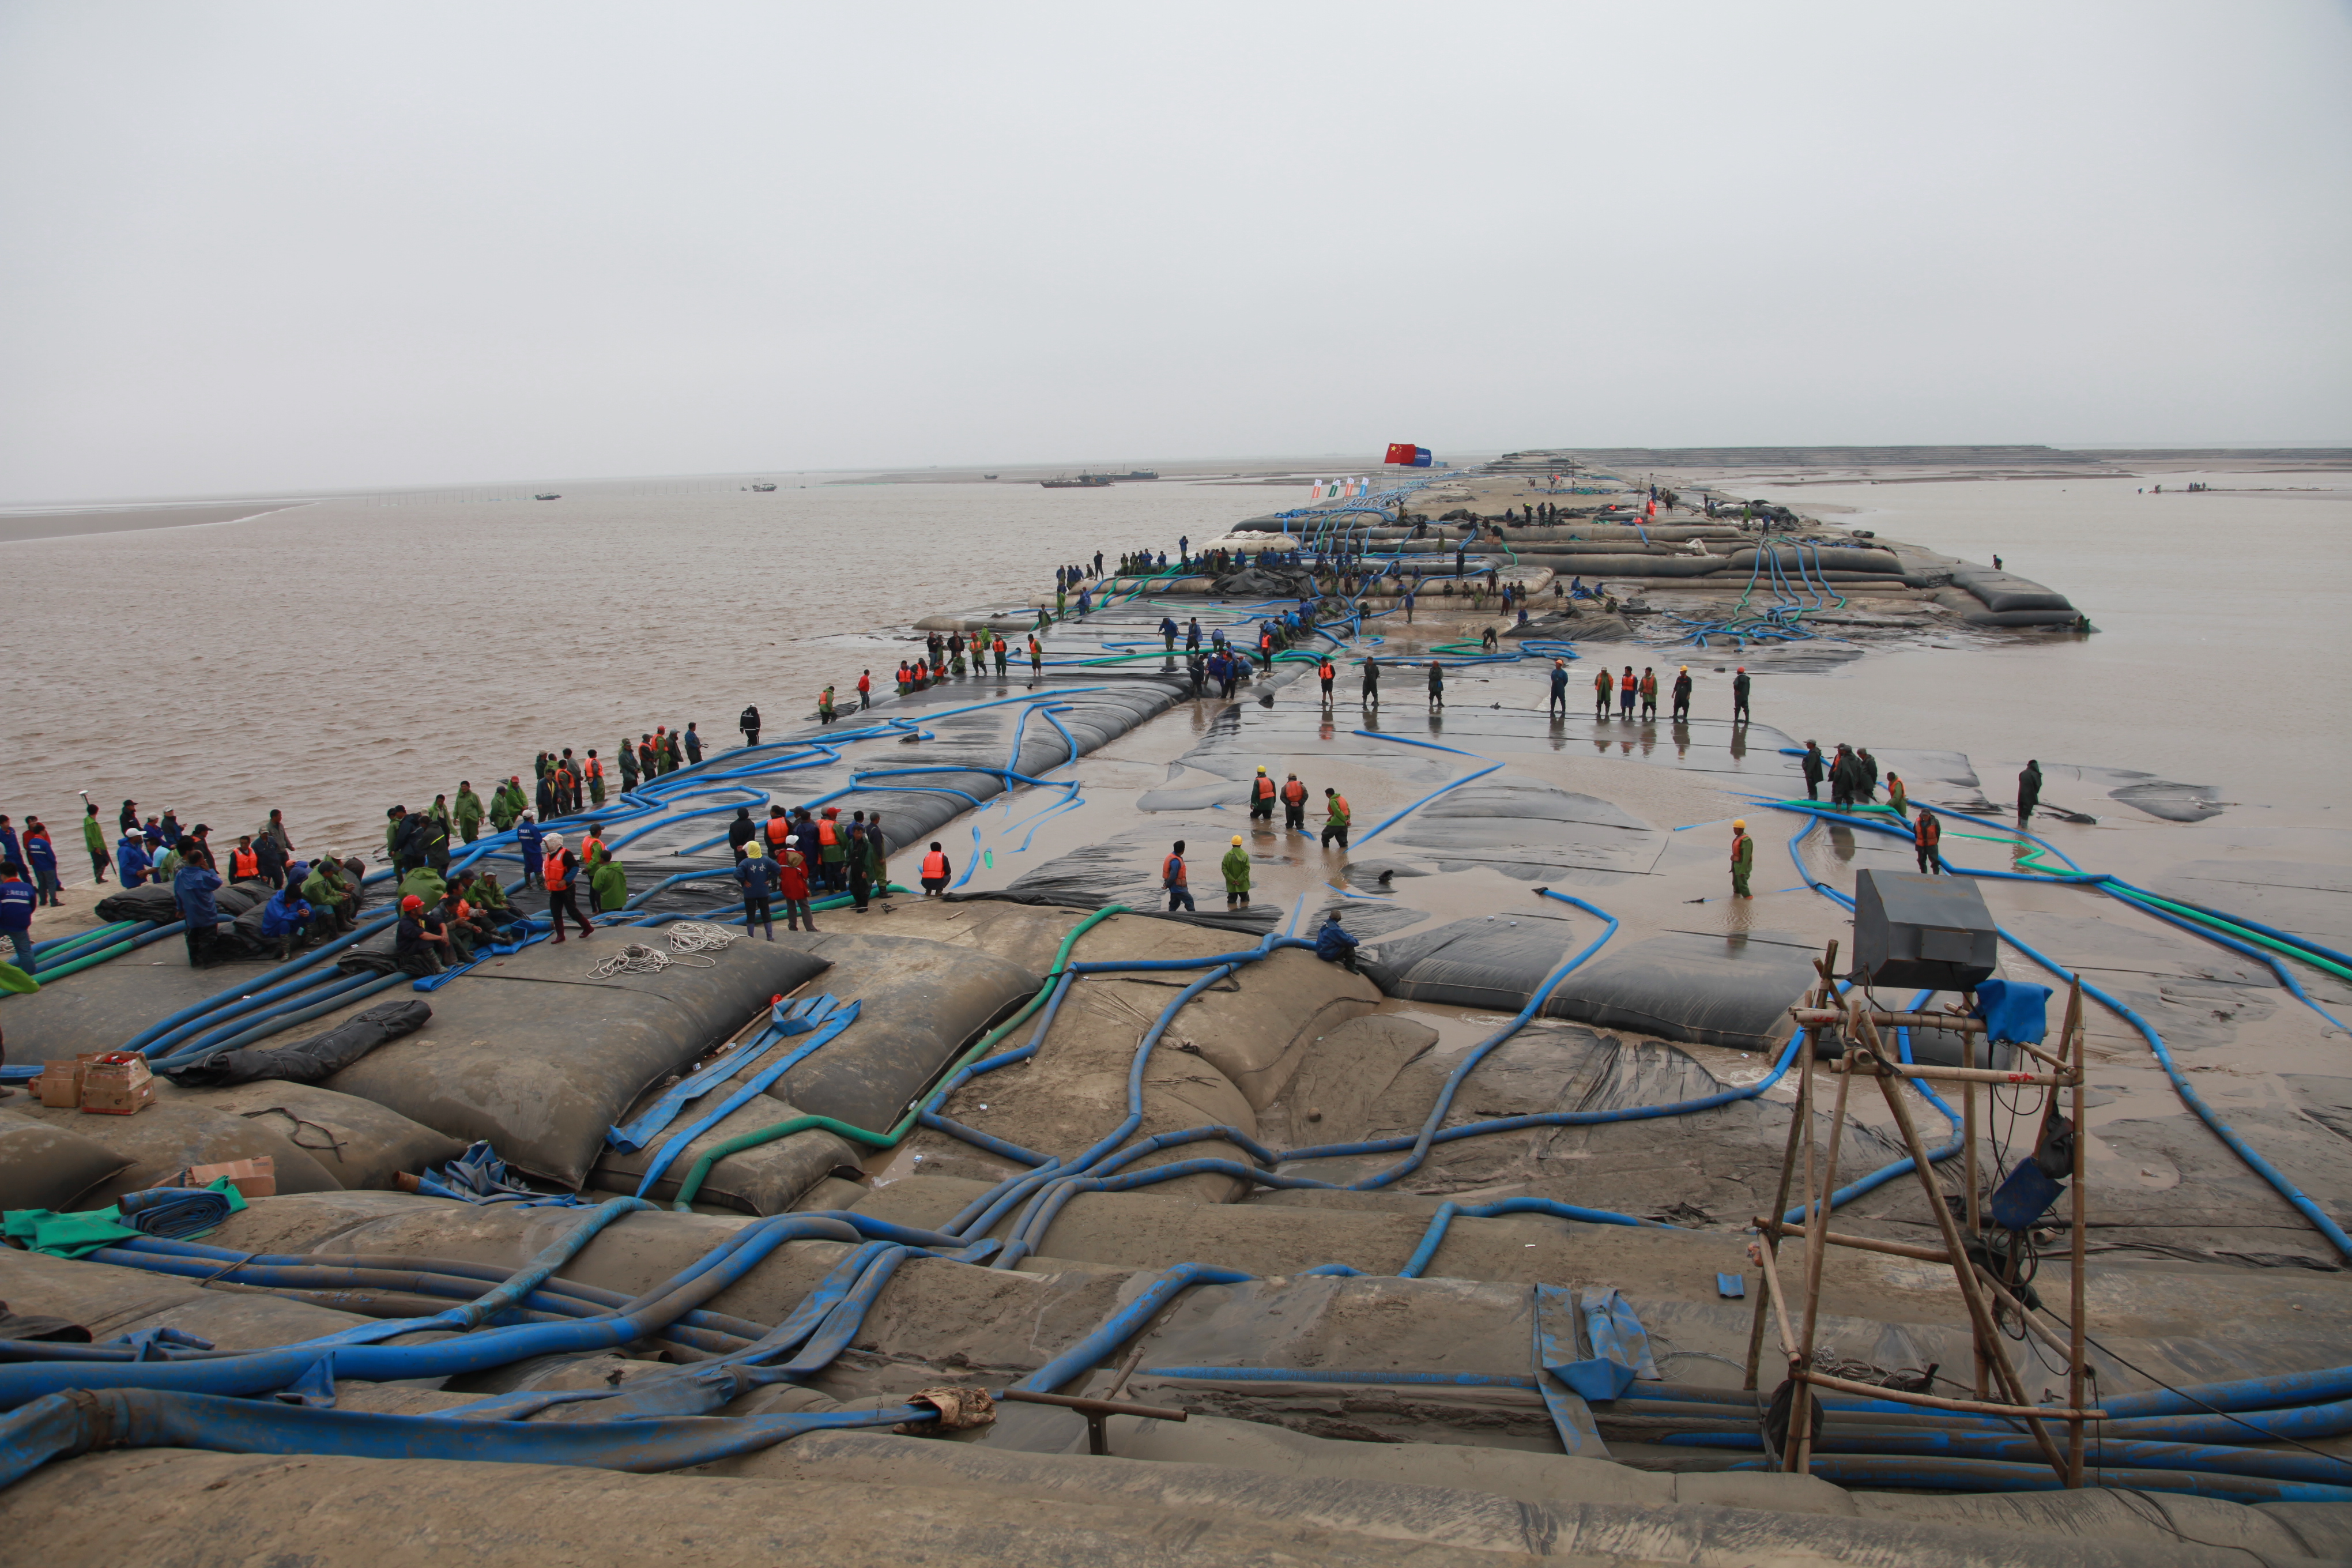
(697, 936)
(634, 958)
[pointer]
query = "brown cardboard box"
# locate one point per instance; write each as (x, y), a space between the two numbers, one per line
(59, 1085)
(116, 1084)
(256, 1178)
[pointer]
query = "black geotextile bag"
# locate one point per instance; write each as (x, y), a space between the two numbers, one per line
(313, 1060)
(150, 902)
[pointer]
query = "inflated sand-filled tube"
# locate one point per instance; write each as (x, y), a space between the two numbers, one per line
(1703, 990)
(919, 1001)
(45, 1163)
(102, 1008)
(1527, 829)
(2006, 590)
(767, 1178)
(529, 1053)
(175, 1133)
(1971, 611)
(359, 1143)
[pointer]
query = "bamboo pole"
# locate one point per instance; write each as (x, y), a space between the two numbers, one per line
(2081, 1043)
(1952, 1075)
(1979, 1315)
(2031, 1413)
(1817, 1215)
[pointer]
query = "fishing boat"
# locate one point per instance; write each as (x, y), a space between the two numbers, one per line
(1082, 482)
(763, 485)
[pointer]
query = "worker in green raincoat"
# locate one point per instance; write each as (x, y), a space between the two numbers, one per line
(1236, 868)
(608, 882)
(469, 811)
(1743, 858)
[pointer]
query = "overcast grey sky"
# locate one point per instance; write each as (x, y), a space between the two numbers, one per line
(255, 245)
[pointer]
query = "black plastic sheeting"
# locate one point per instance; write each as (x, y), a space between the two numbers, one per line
(529, 1052)
(920, 1003)
(151, 902)
(1528, 830)
(1701, 990)
(313, 1060)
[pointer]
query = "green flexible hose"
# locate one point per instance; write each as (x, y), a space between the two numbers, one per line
(736, 1145)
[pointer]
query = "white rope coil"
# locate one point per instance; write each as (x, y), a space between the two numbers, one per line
(697, 936)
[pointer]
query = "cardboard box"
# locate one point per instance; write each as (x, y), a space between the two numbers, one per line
(256, 1178)
(59, 1085)
(116, 1084)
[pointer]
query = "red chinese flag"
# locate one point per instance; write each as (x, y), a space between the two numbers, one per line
(1401, 452)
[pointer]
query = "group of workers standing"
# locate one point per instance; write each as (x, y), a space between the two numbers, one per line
(1630, 689)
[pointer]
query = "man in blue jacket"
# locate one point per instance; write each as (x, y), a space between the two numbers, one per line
(41, 859)
(192, 887)
(285, 918)
(1333, 944)
(17, 904)
(131, 862)
(527, 837)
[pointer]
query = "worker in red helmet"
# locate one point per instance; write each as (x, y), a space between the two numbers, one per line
(418, 944)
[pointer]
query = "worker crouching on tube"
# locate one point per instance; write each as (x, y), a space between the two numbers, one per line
(936, 872)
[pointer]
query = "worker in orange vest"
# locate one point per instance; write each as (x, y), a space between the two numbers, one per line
(595, 771)
(243, 864)
(1602, 686)
(1294, 804)
(1325, 672)
(1172, 877)
(592, 848)
(935, 872)
(557, 865)
(1262, 797)
(833, 849)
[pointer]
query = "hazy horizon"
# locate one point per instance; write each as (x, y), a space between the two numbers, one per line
(279, 248)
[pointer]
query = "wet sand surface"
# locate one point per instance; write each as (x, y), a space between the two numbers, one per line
(18, 526)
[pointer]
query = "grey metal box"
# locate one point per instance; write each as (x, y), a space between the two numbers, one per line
(1912, 930)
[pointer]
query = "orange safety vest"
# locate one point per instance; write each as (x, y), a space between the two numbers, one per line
(1326, 671)
(556, 870)
(564, 778)
(243, 865)
(1294, 792)
(779, 829)
(595, 768)
(1928, 831)
(828, 833)
(934, 864)
(1602, 683)
(1171, 871)
(1264, 787)
(589, 850)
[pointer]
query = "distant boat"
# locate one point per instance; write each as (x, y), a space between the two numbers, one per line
(988, 476)
(1141, 474)
(547, 497)
(764, 486)
(1082, 482)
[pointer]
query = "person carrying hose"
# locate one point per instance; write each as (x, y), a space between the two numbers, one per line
(1262, 797)
(1172, 877)
(1927, 838)
(558, 866)
(1294, 804)
(1603, 684)
(1236, 868)
(1743, 858)
(1336, 818)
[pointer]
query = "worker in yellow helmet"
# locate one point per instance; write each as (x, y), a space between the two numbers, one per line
(1743, 858)
(1236, 868)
